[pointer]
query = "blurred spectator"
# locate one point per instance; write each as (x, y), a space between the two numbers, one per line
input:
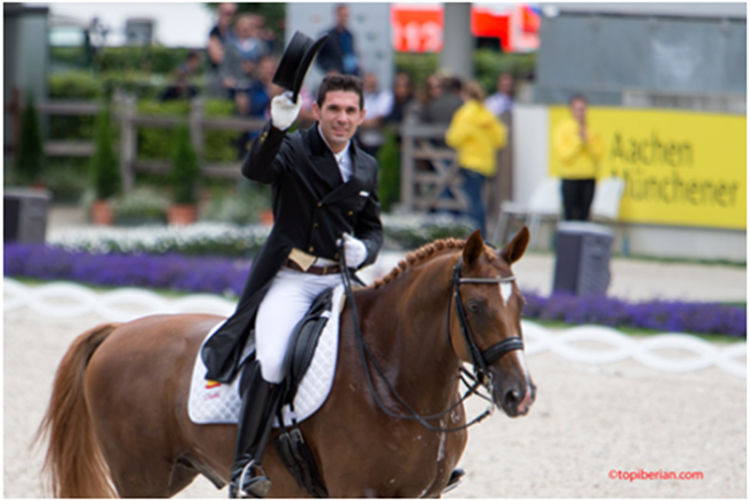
(217, 39)
(181, 88)
(579, 149)
(434, 87)
(378, 104)
(427, 93)
(476, 135)
(254, 102)
(306, 118)
(268, 36)
(502, 100)
(441, 109)
(404, 103)
(242, 53)
(338, 53)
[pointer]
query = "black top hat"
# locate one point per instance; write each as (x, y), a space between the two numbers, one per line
(297, 58)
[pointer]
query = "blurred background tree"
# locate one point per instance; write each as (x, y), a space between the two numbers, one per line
(30, 153)
(105, 171)
(185, 171)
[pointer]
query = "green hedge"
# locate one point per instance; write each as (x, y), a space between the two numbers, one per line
(488, 64)
(80, 85)
(150, 59)
(219, 145)
(153, 143)
(417, 66)
(74, 85)
(156, 143)
(87, 85)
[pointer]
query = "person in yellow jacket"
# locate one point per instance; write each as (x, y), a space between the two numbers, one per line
(579, 149)
(476, 135)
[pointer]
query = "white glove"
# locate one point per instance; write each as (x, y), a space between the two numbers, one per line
(355, 252)
(284, 111)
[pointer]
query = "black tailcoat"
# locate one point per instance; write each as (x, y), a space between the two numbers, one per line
(312, 207)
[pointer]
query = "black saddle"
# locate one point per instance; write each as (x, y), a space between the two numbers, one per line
(304, 342)
(302, 345)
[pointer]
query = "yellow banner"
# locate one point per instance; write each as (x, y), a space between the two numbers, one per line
(680, 168)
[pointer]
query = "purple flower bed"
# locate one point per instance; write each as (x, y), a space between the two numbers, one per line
(219, 275)
(672, 316)
(172, 271)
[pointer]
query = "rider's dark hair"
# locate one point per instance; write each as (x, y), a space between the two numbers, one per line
(348, 83)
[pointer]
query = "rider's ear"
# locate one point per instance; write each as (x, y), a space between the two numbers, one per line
(474, 247)
(514, 250)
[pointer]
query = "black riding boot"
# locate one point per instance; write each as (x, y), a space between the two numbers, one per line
(259, 400)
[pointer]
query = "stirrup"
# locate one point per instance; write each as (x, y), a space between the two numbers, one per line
(257, 486)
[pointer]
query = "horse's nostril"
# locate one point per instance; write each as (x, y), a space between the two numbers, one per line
(512, 396)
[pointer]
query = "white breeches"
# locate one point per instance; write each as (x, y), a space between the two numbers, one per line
(290, 296)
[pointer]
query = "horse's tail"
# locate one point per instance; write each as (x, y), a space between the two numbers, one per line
(74, 461)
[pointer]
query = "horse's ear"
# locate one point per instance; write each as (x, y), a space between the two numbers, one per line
(514, 250)
(474, 247)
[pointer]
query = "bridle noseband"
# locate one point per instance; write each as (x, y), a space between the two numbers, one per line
(480, 359)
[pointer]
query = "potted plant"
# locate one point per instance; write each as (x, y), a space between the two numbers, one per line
(140, 207)
(184, 179)
(104, 170)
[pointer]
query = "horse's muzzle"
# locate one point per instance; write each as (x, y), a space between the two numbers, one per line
(514, 397)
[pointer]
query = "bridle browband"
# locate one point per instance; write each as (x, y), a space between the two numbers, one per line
(480, 359)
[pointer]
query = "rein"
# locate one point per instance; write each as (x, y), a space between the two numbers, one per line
(480, 359)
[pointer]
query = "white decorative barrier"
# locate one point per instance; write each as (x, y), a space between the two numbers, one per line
(68, 300)
(539, 339)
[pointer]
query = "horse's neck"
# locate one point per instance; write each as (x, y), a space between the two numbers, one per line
(411, 314)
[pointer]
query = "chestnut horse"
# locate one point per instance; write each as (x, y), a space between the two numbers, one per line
(118, 422)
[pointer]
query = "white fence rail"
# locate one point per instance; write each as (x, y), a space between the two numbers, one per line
(69, 300)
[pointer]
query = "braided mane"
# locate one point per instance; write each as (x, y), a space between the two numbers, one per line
(424, 253)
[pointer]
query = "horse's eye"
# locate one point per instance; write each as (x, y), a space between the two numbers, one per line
(473, 307)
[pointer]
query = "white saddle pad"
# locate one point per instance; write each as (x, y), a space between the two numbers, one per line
(214, 403)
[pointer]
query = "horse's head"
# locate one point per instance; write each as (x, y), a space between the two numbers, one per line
(491, 303)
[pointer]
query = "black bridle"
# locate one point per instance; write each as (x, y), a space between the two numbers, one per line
(480, 359)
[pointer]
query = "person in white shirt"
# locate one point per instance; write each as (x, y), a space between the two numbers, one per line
(502, 100)
(378, 103)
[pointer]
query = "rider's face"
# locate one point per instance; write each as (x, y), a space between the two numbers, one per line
(339, 117)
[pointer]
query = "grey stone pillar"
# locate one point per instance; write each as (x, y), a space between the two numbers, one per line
(458, 43)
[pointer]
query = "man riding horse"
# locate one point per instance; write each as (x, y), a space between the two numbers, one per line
(323, 186)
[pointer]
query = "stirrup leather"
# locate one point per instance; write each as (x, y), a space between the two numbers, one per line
(258, 485)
